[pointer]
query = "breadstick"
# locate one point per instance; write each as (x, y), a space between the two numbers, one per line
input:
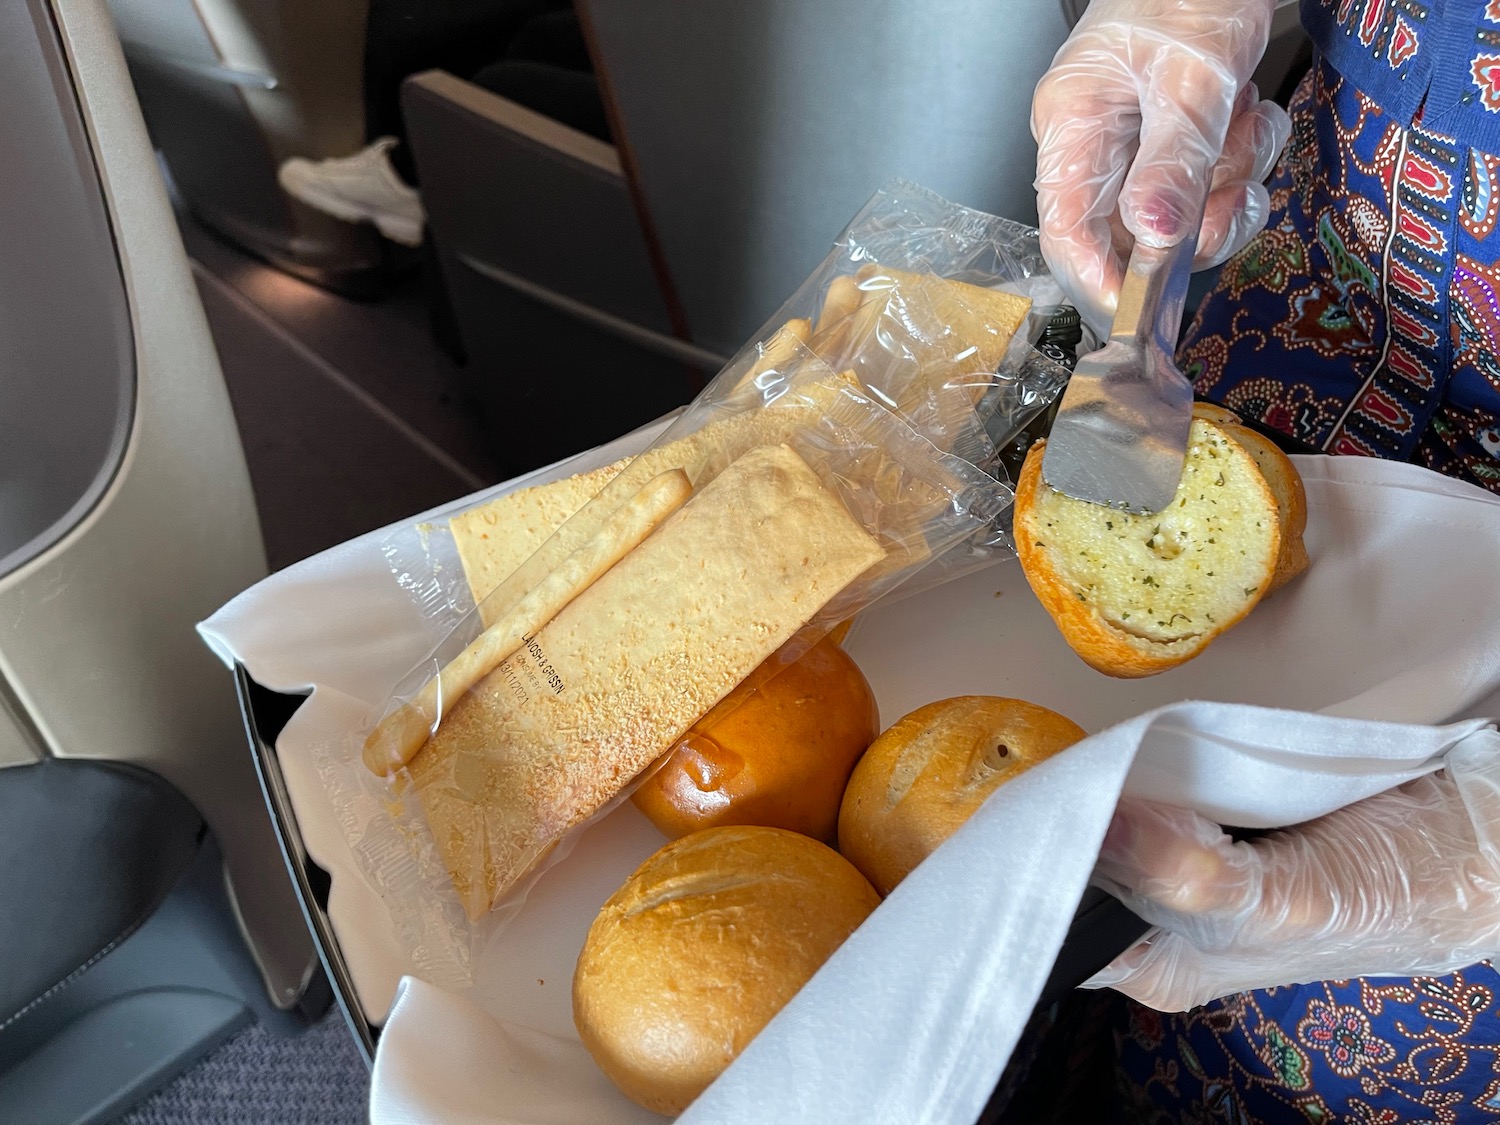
(844, 296)
(838, 333)
(776, 353)
(397, 738)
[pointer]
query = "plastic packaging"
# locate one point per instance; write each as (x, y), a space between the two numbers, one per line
(868, 418)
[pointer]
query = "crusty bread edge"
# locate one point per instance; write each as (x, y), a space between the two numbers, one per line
(1218, 415)
(1291, 502)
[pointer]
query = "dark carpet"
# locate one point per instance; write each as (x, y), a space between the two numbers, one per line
(317, 1078)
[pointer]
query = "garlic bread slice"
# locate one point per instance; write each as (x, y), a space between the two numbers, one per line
(1134, 595)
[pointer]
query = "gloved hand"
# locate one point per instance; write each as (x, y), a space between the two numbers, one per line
(1406, 882)
(1146, 107)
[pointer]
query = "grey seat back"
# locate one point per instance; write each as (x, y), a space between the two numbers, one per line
(519, 196)
(759, 127)
(569, 338)
(230, 89)
(748, 133)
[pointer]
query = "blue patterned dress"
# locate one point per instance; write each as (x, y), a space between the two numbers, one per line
(1392, 1051)
(1364, 320)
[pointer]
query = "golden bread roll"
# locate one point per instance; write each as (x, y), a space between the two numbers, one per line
(779, 756)
(925, 776)
(1134, 595)
(704, 943)
(840, 632)
(1285, 482)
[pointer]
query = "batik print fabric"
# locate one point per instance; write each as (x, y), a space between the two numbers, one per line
(1365, 318)
(1439, 59)
(1378, 1051)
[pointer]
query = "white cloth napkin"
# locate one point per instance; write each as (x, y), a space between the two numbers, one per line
(914, 1016)
(912, 1020)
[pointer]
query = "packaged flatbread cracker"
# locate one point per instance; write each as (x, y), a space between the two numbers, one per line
(846, 454)
(927, 308)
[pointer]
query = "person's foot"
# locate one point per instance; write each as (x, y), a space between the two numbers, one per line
(359, 188)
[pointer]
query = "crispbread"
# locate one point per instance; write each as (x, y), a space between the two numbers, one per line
(497, 537)
(776, 354)
(1135, 595)
(914, 333)
(397, 737)
(906, 336)
(624, 671)
(978, 318)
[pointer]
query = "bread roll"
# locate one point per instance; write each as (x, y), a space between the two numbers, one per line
(1284, 481)
(840, 632)
(704, 943)
(1135, 595)
(926, 775)
(779, 756)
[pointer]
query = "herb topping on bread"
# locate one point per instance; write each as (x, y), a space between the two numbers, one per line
(1137, 594)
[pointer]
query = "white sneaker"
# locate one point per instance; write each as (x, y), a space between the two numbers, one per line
(359, 188)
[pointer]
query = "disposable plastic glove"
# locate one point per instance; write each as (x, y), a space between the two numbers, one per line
(1406, 882)
(1146, 108)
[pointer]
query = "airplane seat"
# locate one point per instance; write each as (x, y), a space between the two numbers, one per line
(145, 908)
(230, 89)
(569, 337)
(757, 129)
(746, 136)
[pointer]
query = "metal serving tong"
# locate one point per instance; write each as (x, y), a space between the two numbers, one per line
(1121, 433)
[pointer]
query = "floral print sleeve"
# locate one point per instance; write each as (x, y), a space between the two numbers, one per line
(1424, 1051)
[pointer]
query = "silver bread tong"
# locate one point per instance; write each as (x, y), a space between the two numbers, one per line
(1121, 433)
